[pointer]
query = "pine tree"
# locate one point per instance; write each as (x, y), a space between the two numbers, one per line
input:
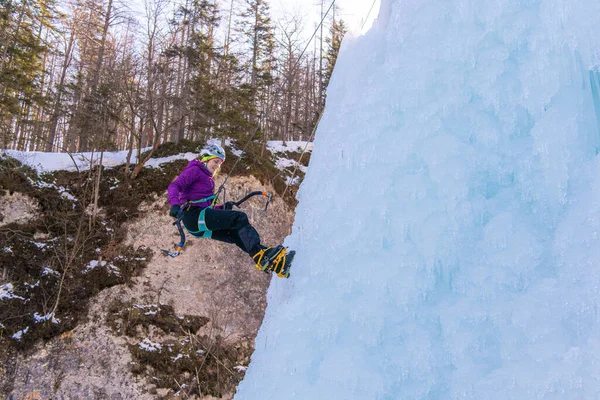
(202, 58)
(88, 86)
(218, 99)
(258, 30)
(22, 50)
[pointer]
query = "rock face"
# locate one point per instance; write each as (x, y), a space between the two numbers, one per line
(16, 207)
(98, 360)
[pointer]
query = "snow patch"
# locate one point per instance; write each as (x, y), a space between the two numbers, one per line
(123, 258)
(278, 146)
(150, 346)
(289, 181)
(30, 286)
(49, 271)
(48, 317)
(156, 162)
(95, 264)
(19, 335)
(48, 162)
(6, 292)
(63, 192)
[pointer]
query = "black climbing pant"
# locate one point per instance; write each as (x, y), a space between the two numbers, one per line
(227, 226)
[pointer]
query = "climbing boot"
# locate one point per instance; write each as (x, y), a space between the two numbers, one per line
(282, 265)
(264, 257)
(276, 260)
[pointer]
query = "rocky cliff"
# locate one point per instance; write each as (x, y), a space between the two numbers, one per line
(130, 322)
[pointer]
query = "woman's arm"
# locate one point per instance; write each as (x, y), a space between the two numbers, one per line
(183, 181)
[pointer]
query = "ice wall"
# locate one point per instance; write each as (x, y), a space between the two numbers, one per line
(447, 230)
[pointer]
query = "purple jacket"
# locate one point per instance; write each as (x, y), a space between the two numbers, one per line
(194, 183)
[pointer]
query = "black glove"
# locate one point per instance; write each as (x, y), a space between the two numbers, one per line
(228, 205)
(174, 212)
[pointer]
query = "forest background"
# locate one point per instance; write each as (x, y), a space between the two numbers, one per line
(97, 75)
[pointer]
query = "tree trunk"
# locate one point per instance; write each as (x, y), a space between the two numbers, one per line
(84, 136)
(96, 192)
(59, 92)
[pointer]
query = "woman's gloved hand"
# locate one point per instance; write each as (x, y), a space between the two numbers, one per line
(228, 205)
(174, 212)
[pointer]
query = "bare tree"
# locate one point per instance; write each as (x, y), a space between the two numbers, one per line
(290, 43)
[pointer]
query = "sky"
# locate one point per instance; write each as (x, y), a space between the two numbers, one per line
(358, 14)
(447, 232)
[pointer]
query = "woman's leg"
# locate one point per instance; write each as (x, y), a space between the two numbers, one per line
(233, 227)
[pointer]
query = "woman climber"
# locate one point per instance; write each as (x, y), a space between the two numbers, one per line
(192, 199)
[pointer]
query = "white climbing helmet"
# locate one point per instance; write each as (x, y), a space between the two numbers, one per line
(213, 150)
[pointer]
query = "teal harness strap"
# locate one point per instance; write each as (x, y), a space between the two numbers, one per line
(203, 231)
(199, 201)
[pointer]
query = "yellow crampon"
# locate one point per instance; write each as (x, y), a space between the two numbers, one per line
(276, 265)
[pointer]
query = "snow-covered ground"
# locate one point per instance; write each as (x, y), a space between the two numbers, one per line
(277, 146)
(48, 162)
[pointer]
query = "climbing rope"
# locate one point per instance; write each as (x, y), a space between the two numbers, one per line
(222, 186)
(312, 135)
(368, 14)
(313, 35)
(291, 180)
(269, 107)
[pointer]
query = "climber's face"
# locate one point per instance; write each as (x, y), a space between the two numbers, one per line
(213, 164)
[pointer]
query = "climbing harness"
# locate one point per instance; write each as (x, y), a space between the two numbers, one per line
(203, 231)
